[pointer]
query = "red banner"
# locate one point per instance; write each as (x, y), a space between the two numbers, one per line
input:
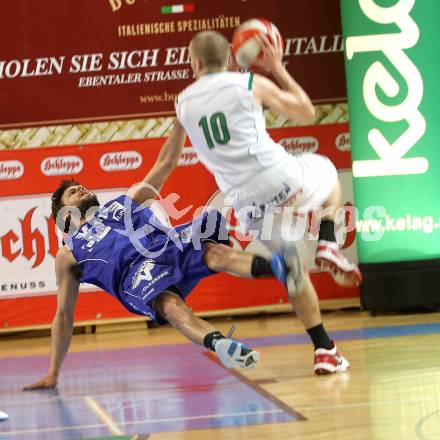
(115, 59)
(29, 242)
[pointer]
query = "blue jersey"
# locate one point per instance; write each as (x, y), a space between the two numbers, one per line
(128, 253)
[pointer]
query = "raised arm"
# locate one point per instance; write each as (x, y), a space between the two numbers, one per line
(165, 163)
(290, 100)
(62, 324)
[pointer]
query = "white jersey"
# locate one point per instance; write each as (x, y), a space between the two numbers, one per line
(227, 128)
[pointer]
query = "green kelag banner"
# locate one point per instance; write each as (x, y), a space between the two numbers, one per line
(392, 56)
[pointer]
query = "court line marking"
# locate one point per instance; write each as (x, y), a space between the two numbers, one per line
(360, 404)
(312, 407)
(257, 388)
(362, 333)
(138, 422)
(420, 423)
(150, 391)
(411, 328)
(426, 372)
(353, 334)
(304, 408)
(103, 415)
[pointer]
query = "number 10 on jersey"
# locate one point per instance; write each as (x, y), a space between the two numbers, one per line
(215, 129)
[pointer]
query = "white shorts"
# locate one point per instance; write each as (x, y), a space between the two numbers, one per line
(304, 182)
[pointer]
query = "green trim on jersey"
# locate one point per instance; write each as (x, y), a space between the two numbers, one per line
(251, 80)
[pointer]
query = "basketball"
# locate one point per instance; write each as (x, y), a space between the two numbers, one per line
(245, 46)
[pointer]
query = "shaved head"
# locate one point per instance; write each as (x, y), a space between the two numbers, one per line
(211, 49)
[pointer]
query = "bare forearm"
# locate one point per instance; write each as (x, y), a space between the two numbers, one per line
(286, 82)
(171, 150)
(62, 328)
(166, 162)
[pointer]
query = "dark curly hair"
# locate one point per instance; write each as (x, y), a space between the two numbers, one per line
(57, 203)
(58, 194)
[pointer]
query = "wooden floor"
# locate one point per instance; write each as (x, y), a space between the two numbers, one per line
(391, 392)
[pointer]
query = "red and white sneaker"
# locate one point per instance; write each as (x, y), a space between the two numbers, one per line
(329, 258)
(329, 361)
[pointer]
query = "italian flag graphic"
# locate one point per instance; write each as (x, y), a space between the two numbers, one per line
(177, 9)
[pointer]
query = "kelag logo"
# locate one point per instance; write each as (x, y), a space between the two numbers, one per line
(392, 73)
(379, 78)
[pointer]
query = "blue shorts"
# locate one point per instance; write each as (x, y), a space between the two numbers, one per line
(176, 264)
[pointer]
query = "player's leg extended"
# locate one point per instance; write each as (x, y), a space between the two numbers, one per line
(302, 294)
(283, 235)
(327, 359)
(221, 258)
(177, 313)
(231, 352)
(328, 256)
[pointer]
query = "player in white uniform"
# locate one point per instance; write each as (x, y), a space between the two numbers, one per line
(223, 117)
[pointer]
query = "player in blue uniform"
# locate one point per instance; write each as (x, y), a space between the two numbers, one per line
(123, 249)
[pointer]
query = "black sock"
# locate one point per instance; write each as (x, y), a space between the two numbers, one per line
(327, 231)
(320, 338)
(261, 267)
(211, 338)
